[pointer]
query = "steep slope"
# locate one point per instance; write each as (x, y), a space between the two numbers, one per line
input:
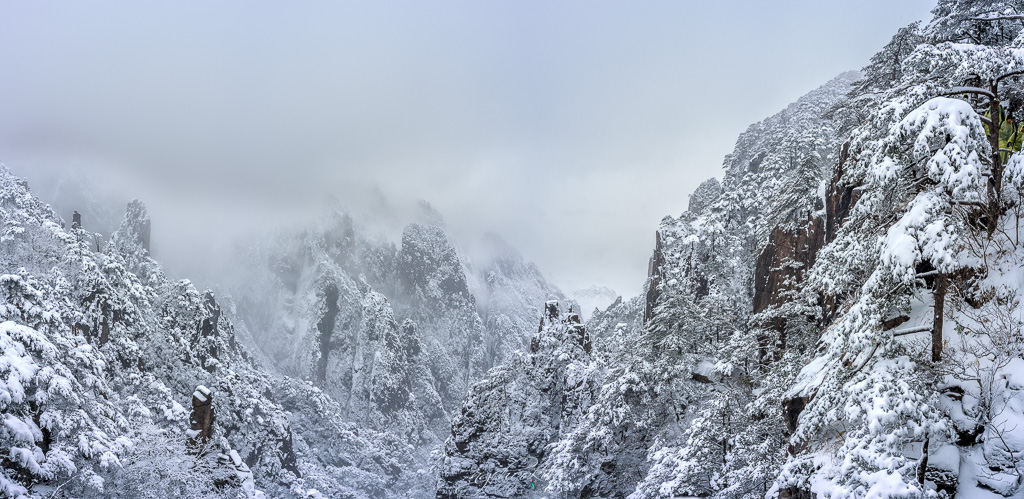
(101, 356)
(920, 283)
(839, 317)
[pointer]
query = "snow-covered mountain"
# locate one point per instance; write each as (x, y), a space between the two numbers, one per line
(396, 334)
(104, 356)
(508, 421)
(305, 377)
(655, 366)
(839, 316)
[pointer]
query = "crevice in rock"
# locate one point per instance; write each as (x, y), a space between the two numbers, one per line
(326, 329)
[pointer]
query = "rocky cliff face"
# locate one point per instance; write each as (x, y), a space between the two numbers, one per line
(767, 199)
(503, 431)
(793, 248)
(781, 264)
(815, 294)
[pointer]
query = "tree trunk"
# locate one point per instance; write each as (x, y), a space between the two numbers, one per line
(995, 181)
(922, 465)
(939, 296)
(104, 323)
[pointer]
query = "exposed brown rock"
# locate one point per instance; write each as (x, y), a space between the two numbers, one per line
(790, 252)
(781, 266)
(202, 418)
(894, 322)
(791, 409)
(698, 377)
(782, 262)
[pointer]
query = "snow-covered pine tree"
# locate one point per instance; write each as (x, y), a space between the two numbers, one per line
(926, 229)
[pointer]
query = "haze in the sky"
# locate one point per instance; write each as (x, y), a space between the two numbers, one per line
(571, 128)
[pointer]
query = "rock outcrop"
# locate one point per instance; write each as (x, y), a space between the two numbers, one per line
(782, 262)
(655, 270)
(504, 428)
(201, 419)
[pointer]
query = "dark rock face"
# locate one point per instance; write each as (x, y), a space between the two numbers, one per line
(654, 272)
(209, 331)
(839, 198)
(782, 262)
(202, 417)
(894, 322)
(76, 220)
(289, 461)
(326, 329)
(551, 309)
(791, 251)
(791, 411)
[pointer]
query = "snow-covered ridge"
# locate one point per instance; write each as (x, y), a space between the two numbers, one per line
(100, 354)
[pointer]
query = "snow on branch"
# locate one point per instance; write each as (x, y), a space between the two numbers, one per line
(967, 90)
(911, 330)
(1012, 17)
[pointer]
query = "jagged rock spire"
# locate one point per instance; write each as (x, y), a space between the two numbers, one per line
(134, 230)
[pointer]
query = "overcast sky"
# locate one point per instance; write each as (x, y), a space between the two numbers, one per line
(571, 128)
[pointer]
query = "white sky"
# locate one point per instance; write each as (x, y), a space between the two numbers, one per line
(571, 128)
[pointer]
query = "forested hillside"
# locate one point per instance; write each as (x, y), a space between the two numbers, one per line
(839, 316)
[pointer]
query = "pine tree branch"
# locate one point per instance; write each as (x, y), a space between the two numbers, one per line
(1008, 75)
(1015, 17)
(967, 90)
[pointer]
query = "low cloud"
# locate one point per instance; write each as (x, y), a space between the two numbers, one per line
(571, 129)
